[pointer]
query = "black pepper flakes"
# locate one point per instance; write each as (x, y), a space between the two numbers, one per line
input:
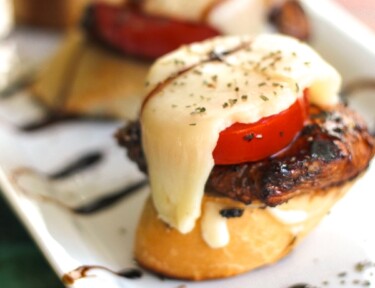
(361, 266)
(249, 137)
(366, 283)
(232, 102)
(301, 285)
(198, 110)
(197, 72)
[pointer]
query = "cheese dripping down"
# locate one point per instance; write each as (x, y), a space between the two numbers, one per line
(214, 226)
(199, 90)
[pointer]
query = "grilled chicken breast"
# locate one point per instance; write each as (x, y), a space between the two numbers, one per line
(334, 147)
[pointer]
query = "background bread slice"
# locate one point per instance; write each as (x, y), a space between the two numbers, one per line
(83, 78)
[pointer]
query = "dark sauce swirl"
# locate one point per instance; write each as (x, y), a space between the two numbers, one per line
(82, 272)
(56, 118)
(212, 56)
(109, 199)
(83, 163)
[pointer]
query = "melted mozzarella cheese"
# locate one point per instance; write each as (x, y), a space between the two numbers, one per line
(289, 216)
(214, 226)
(238, 17)
(194, 97)
(180, 9)
(295, 219)
(227, 16)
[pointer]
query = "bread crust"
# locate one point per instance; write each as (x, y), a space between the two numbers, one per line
(258, 238)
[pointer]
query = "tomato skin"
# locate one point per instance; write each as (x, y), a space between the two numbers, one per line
(241, 143)
(134, 33)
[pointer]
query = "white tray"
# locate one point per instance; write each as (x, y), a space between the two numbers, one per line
(68, 240)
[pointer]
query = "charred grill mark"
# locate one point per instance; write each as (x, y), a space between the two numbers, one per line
(325, 150)
(211, 57)
(333, 148)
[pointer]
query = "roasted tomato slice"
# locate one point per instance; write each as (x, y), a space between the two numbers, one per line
(135, 33)
(241, 143)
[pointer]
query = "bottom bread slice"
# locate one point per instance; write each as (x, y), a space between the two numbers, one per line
(261, 236)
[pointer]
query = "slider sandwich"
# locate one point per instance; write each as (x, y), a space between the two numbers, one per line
(100, 69)
(247, 147)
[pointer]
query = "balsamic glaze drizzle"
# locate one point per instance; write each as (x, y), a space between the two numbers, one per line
(56, 118)
(109, 199)
(82, 272)
(212, 56)
(82, 163)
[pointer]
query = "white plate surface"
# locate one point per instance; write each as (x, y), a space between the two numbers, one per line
(345, 237)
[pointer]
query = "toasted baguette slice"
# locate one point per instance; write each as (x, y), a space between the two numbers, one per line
(260, 237)
(85, 79)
